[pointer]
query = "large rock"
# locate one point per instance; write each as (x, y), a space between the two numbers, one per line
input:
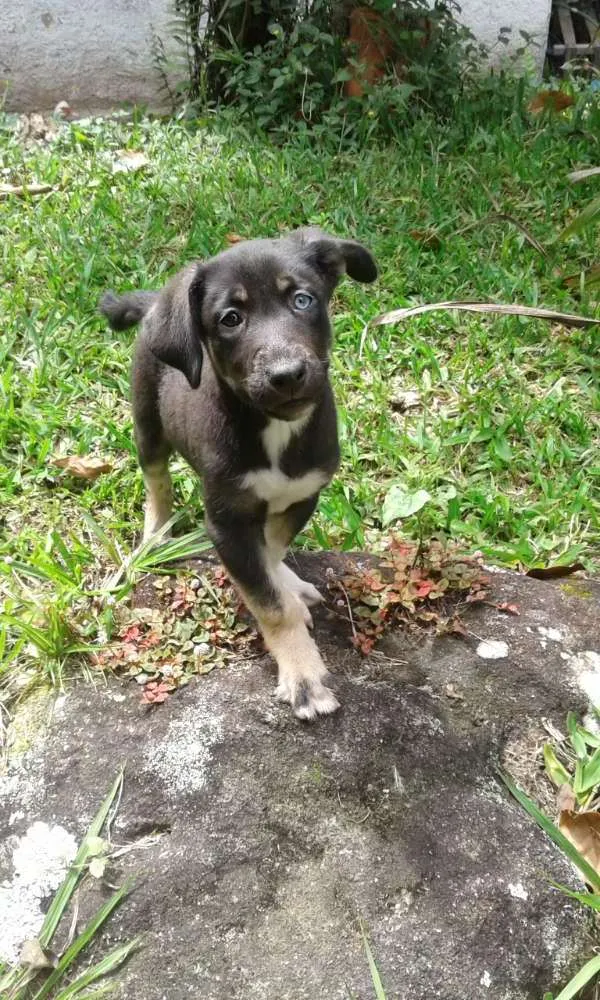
(277, 838)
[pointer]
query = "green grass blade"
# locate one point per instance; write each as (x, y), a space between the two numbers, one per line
(185, 547)
(66, 890)
(591, 773)
(100, 535)
(8, 656)
(104, 967)
(589, 214)
(589, 970)
(83, 939)
(101, 991)
(554, 769)
(159, 551)
(375, 977)
(576, 737)
(49, 572)
(591, 739)
(37, 636)
(590, 899)
(589, 873)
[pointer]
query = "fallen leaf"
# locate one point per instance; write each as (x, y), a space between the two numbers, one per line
(405, 399)
(476, 597)
(83, 466)
(456, 627)
(551, 100)
(129, 161)
(583, 830)
(131, 634)
(35, 957)
(155, 692)
(24, 190)
(510, 609)
(451, 692)
(233, 238)
(565, 798)
(96, 846)
(511, 309)
(97, 866)
(554, 572)
(582, 175)
(590, 277)
(427, 237)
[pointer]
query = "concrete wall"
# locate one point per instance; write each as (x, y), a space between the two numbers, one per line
(96, 54)
(486, 17)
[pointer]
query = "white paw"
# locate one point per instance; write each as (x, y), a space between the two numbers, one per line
(306, 616)
(310, 595)
(308, 698)
(301, 588)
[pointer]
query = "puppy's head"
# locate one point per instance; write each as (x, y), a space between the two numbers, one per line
(259, 310)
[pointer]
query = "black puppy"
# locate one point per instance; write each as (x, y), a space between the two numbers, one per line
(230, 370)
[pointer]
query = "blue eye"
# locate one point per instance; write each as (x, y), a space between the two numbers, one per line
(302, 300)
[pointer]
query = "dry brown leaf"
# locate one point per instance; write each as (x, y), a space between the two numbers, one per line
(566, 319)
(24, 190)
(34, 957)
(565, 799)
(582, 175)
(427, 237)
(97, 866)
(583, 830)
(83, 466)
(129, 161)
(551, 100)
(233, 238)
(510, 609)
(404, 399)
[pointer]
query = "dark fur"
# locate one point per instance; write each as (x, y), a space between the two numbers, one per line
(208, 391)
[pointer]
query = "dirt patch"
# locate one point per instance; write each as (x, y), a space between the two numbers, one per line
(278, 836)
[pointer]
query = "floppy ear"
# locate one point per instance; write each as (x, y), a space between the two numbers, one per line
(335, 257)
(176, 336)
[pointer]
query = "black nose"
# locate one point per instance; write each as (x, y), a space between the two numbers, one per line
(287, 376)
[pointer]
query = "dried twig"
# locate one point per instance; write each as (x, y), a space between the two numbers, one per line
(350, 616)
(24, 190)
(582, 175)
(567, 319)
(398, 315)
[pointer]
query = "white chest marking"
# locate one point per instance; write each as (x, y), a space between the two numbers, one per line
(271, 484)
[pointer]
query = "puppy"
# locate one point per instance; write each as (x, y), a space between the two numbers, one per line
(231, 371)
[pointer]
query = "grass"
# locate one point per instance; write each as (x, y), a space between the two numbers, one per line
(58, 977)
(505, 438)
(572, 763)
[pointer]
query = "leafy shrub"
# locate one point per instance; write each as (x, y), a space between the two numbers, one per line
(281, 65)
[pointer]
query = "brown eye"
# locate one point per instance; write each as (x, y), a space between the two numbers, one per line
(230, 318)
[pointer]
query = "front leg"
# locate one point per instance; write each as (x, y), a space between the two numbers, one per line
(280, 613)
(280, 530)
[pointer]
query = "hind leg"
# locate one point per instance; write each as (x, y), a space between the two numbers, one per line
(152, 447)
(159, 497)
